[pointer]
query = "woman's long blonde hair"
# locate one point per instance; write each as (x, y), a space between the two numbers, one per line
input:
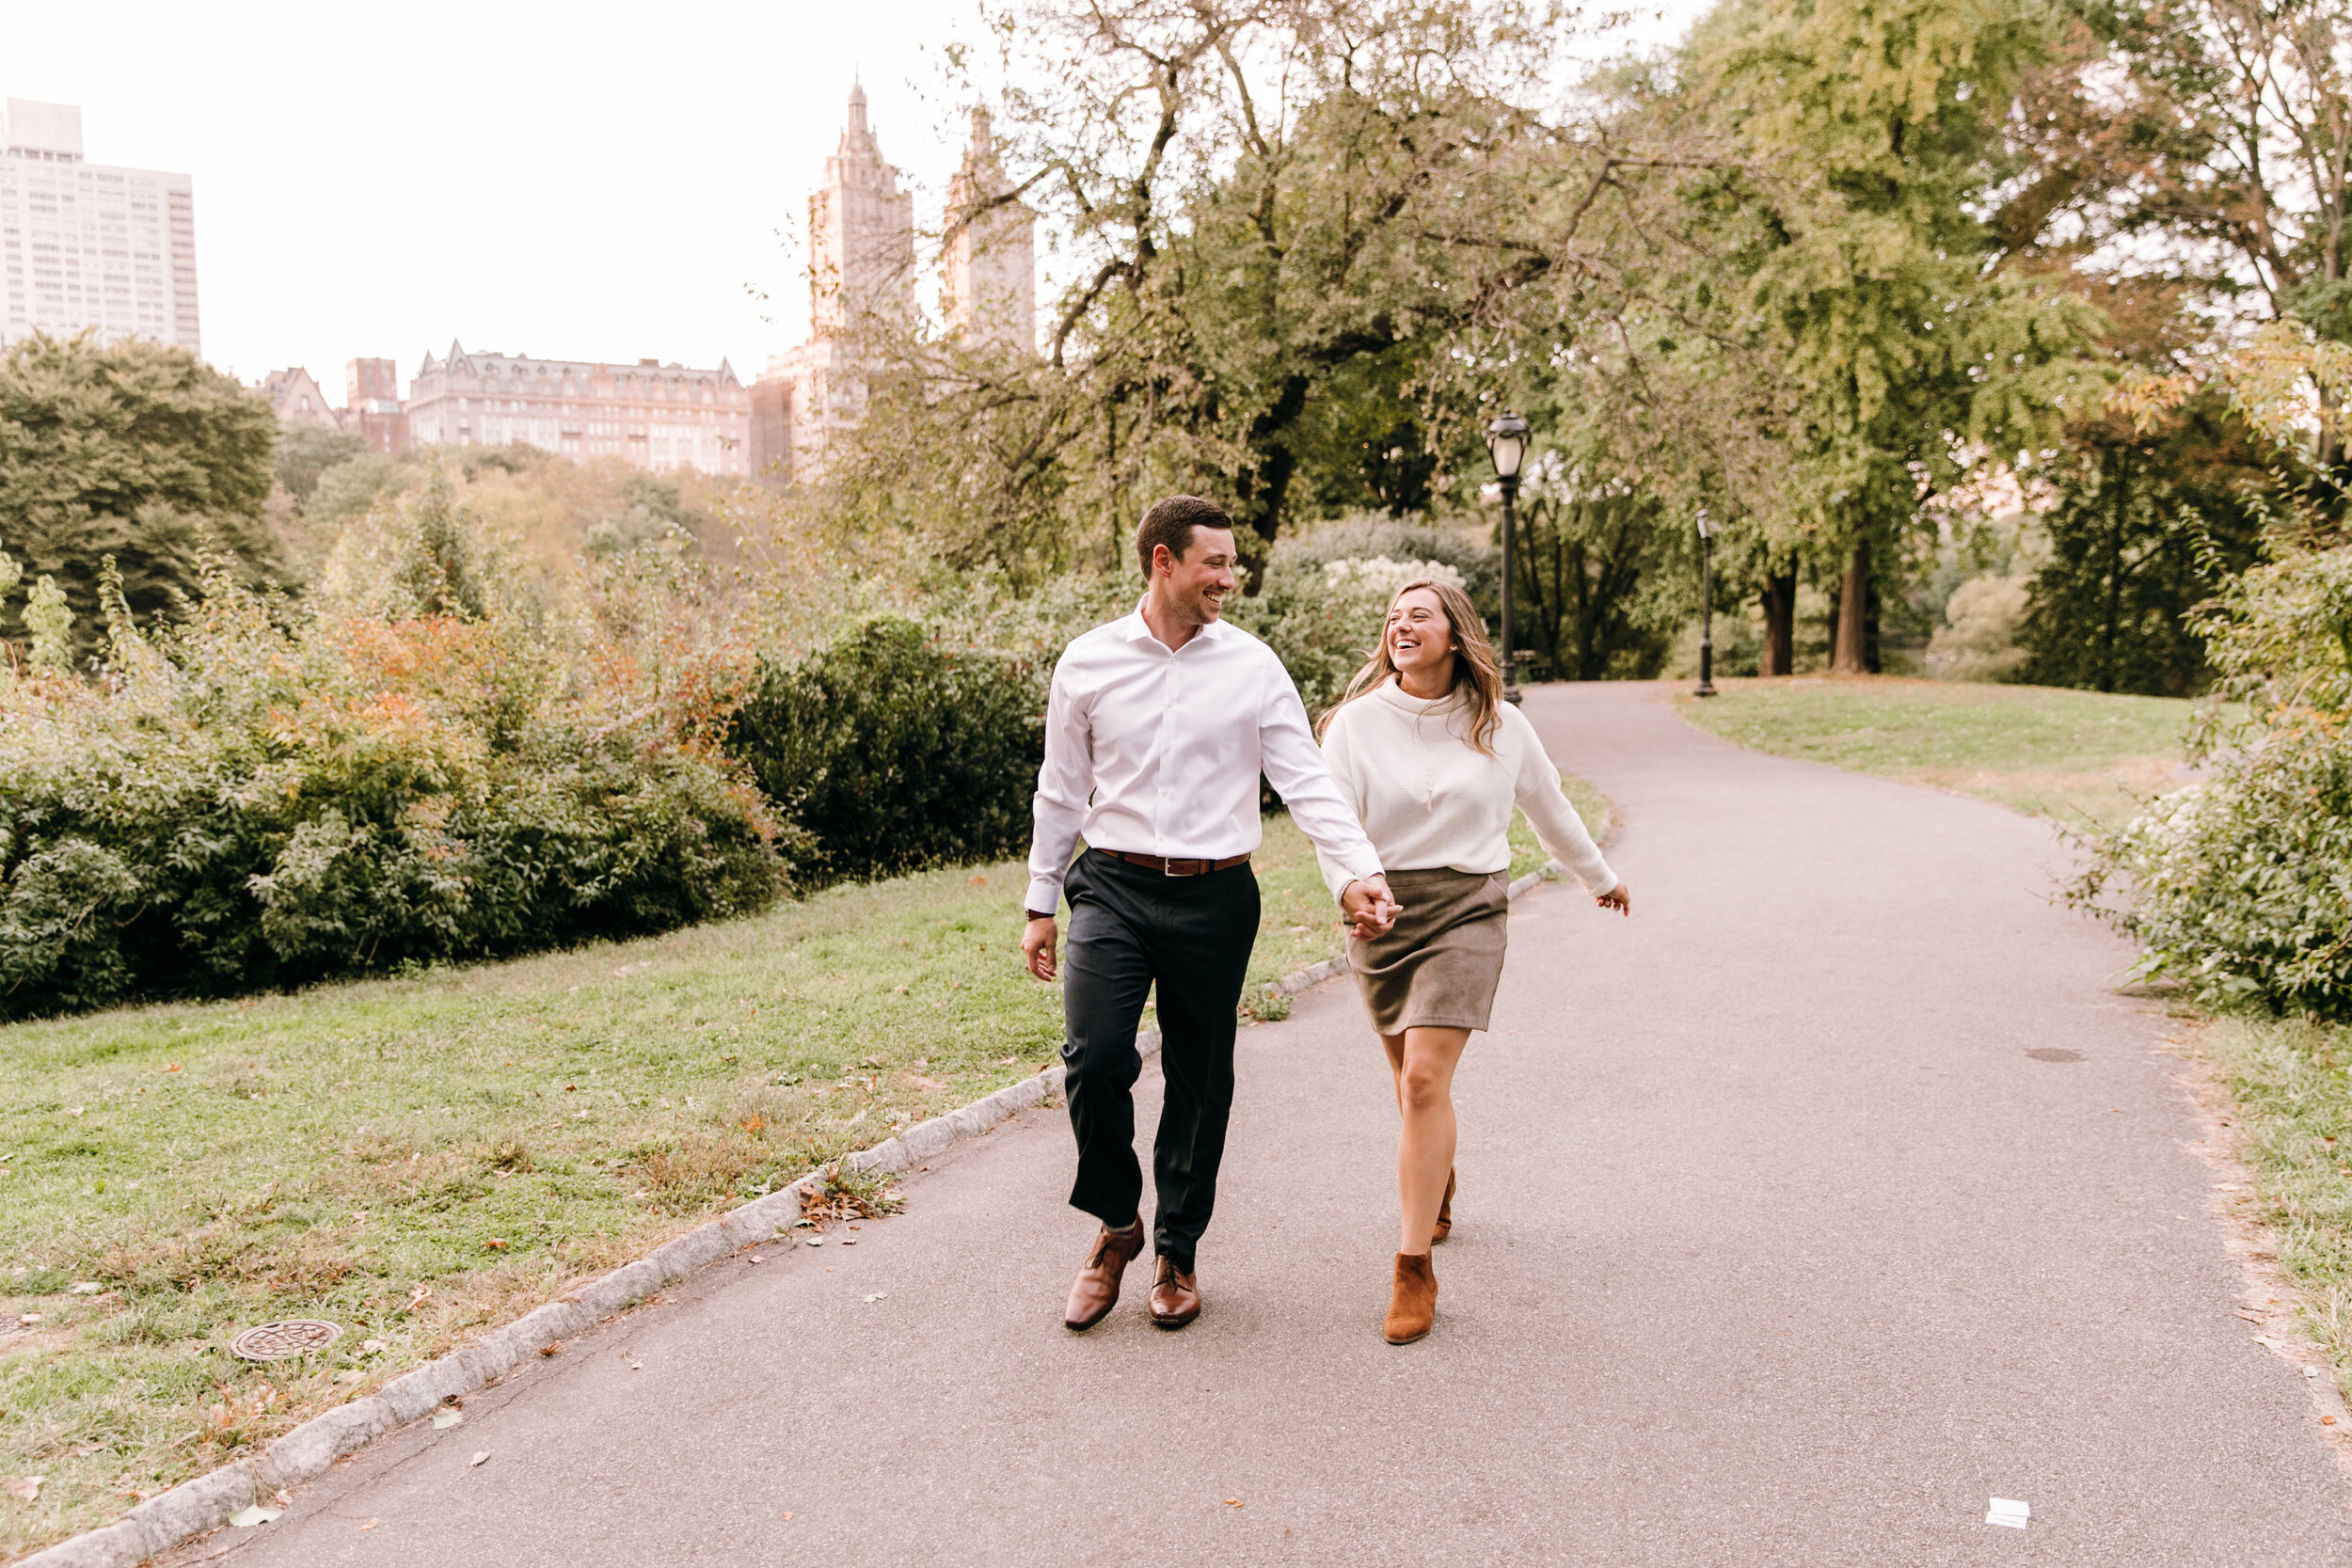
(1477, 673)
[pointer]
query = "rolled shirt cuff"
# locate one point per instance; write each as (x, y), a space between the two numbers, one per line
(1044, 896)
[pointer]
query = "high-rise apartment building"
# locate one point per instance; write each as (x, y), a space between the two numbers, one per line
(989, 272)
(861, 281)
(861, 234)
(90, 246)
(654, 415)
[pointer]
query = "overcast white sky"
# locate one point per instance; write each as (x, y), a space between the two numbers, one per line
(577, 182)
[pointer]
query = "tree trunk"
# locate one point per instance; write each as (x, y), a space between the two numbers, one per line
(1780, 621)
(1854, 615)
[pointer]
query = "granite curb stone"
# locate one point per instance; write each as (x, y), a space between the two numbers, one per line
(196, 1507)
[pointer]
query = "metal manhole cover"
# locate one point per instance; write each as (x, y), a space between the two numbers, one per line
(282, 1342)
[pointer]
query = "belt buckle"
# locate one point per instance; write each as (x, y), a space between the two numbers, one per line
(1167, 866)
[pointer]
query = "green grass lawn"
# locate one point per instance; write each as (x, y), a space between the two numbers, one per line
(2288, 1079)
(414, 1159)
(2080, 758)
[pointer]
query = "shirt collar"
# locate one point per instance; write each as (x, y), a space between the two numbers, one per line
(1136, 630)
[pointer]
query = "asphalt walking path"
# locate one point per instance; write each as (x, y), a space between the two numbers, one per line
(1774, 1244)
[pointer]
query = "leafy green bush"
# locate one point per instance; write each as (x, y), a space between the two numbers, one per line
(893, 751)
(426, 764)
(2241, 886)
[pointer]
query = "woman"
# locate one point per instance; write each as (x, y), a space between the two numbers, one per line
(1433, 760)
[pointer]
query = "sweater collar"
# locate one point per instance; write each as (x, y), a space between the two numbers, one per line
(1397, 697)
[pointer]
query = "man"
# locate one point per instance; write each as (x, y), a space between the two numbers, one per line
(1157, 731)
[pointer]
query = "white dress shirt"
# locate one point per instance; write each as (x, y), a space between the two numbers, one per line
(1158, 751)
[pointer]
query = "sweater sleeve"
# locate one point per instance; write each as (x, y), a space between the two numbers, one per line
(1341, 759)
(1535, 786)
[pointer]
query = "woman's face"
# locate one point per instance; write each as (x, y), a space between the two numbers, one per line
(1420, 639)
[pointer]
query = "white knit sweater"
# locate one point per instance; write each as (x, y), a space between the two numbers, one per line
(1428, 798)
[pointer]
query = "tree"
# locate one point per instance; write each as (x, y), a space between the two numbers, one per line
(1879, 132)
(304, 451)
(136, 451)
(2147, 524)
(1285, 221)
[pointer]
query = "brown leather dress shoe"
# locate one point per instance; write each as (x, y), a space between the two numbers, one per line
(1445, 1213)
(1413, 1302)
(1175, 1295)
(1095, 1291)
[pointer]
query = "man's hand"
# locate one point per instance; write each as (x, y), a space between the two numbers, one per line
(1369, 906)
(1037, 946)
(1619, 898)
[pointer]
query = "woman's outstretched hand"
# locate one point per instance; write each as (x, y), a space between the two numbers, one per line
(1619, 898)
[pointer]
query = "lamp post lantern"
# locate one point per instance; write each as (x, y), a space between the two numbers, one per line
(1707, 605)
(1506, 443)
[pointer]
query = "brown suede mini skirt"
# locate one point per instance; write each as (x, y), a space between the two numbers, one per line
(1439, 966)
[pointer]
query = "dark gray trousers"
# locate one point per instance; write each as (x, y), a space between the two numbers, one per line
(1132, 928)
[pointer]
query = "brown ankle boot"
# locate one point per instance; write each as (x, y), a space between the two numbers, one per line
(1413, 1304)
(1445, 1212)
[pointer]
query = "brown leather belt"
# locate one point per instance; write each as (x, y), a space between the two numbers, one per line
(1177, 868)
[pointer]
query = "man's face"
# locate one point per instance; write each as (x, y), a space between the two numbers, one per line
(1196, 585)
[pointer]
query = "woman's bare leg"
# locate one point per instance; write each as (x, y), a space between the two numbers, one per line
(1423, 1063)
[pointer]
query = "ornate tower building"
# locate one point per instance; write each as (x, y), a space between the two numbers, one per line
(861, 234)
(861, 256)
(989, 293)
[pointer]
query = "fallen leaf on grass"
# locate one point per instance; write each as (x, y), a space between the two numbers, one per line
(371, 1347)
(849, 1240)
(416, 1298)
(85, 1288)
(495, 1244)
(1233, 1502)
(2327, 1421)
(444, 1419)
(754, 1258)
(481, 1458)
(2251, 1316)
(553, 1347)
(246, 1518)
(27, 1487)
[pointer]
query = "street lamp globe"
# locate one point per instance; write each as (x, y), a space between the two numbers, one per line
(1506, 443)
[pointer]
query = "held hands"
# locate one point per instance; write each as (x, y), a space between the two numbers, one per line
(1370, 909)
(1619, 898)
(1037, 946)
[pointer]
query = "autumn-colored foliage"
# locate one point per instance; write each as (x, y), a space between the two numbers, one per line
(430, 759)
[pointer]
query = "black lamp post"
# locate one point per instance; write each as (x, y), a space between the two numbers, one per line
(1506, 443)
(1706, 605)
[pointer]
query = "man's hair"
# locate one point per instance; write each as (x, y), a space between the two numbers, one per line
(1170, 522)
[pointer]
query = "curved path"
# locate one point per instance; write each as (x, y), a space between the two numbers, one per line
(1775, 1246)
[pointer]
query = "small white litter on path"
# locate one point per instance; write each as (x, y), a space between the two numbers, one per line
(2008, 1512)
